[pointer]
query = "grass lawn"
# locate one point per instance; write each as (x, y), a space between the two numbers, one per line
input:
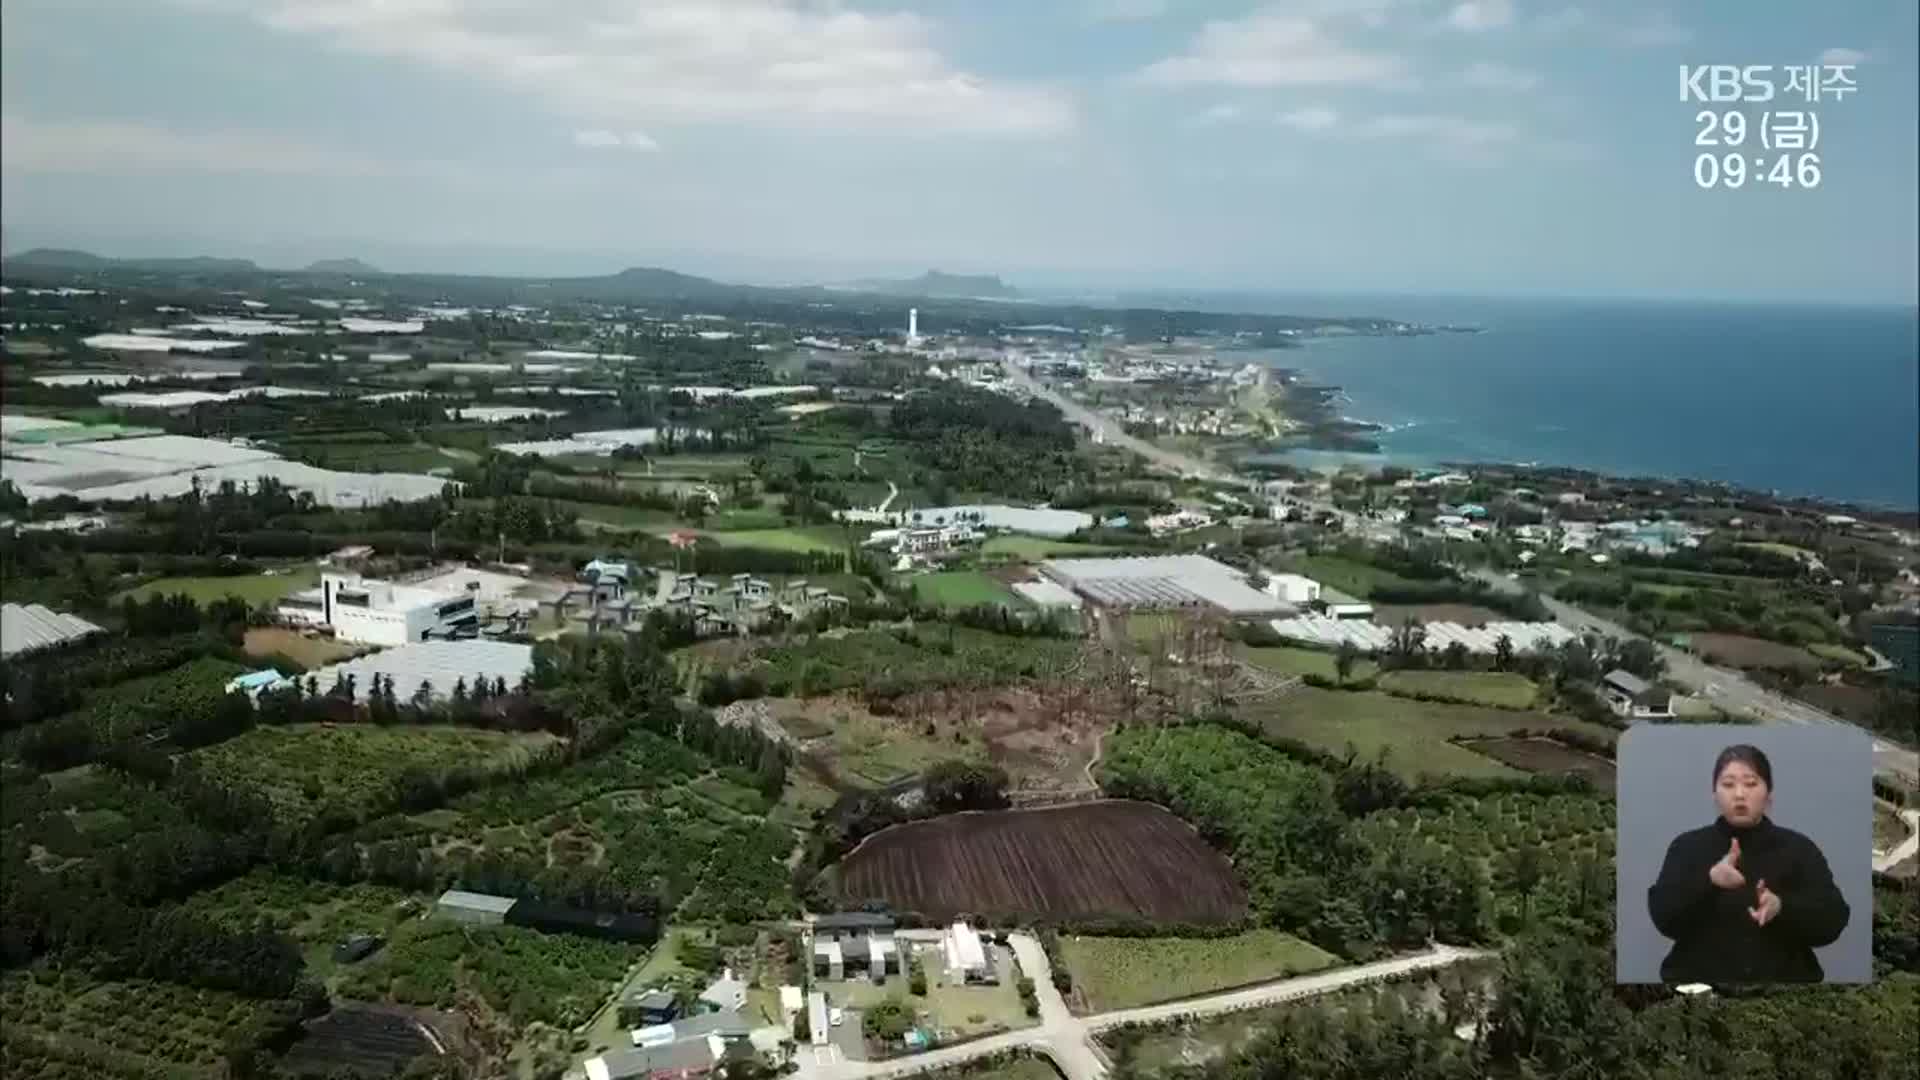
(1501, 689)
(960, 589)
(1290, 661)
(1414, 733)
(972, 1010)
(255, 589)
(1122, 973)
(1345, 575)
(817, 538)
(622, 517)
(301, 767)
(1035, 547)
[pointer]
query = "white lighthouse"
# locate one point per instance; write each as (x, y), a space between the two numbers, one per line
(913, 326)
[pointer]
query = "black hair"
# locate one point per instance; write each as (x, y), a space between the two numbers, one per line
(1751, 756)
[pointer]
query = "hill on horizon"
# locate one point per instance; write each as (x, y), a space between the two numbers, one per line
(935, 283)
(70, 259)
(341, 266)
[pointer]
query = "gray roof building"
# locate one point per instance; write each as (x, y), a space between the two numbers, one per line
(26, 628)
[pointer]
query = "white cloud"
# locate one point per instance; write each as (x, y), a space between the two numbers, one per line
(1125, 10)
(597, 138)
(1437, 128)
(610, 63)
(85, 146)
(1475, 15)
(1274, 47)
(1224, 113)
(1314, 118)
(1840, 54)
(1500, 77)
(1652, 30)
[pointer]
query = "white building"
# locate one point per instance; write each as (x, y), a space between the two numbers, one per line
(1293, 588)
(966, 956)
(373, 612)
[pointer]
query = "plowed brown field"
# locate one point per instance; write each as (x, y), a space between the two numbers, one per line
(1111, 859)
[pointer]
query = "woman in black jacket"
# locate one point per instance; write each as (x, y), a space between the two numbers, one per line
(1744, 900)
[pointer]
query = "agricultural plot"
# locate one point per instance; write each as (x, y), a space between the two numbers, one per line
(889, 663)
(65, 818)
(1739, 651)
(1283, 660)
(256, 589)
(1122, 973)
(1034, 548)
(523, 974)
(316, 915)
(1499, 689)
(1536, 754)
(961, 589)
(796, 540)
(367, 1041)
(1481, 829)
(1111, 859)
(1414, 733)
(308, 652)
(1345, 575)
(303, 768)
(133, 1028)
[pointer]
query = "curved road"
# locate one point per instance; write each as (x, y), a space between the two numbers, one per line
(1113, 434)
(1067, 1039)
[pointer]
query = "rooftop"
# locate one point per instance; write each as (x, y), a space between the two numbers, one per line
(474, 901)
(1162, 581)
(29, 627)
(441, 663)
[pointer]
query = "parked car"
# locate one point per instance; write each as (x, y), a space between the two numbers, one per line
(835, 1016)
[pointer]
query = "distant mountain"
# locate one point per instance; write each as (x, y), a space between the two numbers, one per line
(933, 283)
(64, 259)
(342, 266)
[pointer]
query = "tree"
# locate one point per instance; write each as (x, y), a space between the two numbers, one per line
(1407, 642)
(1502, 652)
(1454, 656)
(888, 1021)
(1344, 658)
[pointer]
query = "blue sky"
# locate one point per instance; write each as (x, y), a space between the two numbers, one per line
(1492, 146)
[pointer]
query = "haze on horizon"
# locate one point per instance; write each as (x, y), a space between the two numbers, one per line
(1327, 146)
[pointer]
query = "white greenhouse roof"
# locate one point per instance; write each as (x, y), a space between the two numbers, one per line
(441, 663)
(28, 627)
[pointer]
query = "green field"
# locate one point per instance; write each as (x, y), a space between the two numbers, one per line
(303, 767)
(1353, 578)
(624, 517)
(1500, 689)
(1414, 733)
(961, 589)
(528, 976)
(815, 538)
(1838, 653)
(1034, 547)
(1122, 973)
(255, 589)
(1290, 661)
(377, 456)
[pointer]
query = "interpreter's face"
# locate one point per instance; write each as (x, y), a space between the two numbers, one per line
(1742, 795)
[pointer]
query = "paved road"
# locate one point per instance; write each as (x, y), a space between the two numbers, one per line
(1906, 848)
(1112, 433)
(1067, 1039)
(1726, 688)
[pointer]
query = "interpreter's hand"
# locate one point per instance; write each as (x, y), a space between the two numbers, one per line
(1725, 873)
(1768, 905)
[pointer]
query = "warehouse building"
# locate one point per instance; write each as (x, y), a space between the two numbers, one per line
(1159, 582)
(370, 612)
(471, 907)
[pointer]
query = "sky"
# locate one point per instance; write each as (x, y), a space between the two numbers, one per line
(1411, 146)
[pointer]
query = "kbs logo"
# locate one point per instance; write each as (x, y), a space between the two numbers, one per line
(1726, 82)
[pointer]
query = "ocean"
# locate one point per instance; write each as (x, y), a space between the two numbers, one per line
(1821, 401)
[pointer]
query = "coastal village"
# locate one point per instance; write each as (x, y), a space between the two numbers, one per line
(572, 689)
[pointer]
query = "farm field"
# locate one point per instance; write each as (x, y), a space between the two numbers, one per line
(316, 915)
(1735, 650)
(137, 1028)
(255, 589)
(1286, 660)
(376, 456)
(308, 652)
(300, 767)
(370, 1041)
(1499, 689)
(1481, 828)
(1542, 755)
(889, 663)
(624, 517)
(526, 975)
(1344, 575)
(1839, 653)
(1855, 703)
(961, 589)
(823, 539)
(1110, 859)
(1414, 733)
(1124, 972)
(1035, 547)
(1464, 614)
